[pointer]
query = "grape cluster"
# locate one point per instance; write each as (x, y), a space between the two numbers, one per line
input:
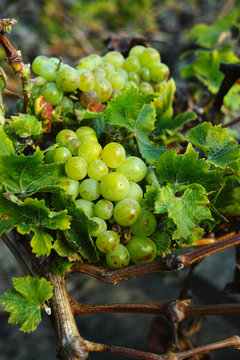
(97, 79)
(105, 185)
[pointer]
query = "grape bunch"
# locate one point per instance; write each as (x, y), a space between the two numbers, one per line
(97, 79)
(105, 185)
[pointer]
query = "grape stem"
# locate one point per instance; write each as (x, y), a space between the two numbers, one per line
(233, 122)
(169, 263)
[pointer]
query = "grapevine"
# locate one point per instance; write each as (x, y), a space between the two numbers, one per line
(99, 176)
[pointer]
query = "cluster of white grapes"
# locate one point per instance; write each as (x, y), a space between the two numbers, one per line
(105, 185)
(97, 79)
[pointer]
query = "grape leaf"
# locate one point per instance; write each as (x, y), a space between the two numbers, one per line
(25, 300)
(78, 236)
(86, 114)
(26, 175)
(6, 146)
(221, 149)
(24, 125)
(177, 122)
(162, 240)
(185, 169)
(61, 265)
(187, 208)
(32, 215)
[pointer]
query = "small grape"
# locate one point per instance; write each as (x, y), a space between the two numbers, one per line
(145, 225)
(136, 50)
(89, 189)
(104, 209)
(131, 64)
(70, 186)
(83, 131)
(133, 76)
(73, 146)
(86, 206)
(67, 78)
(135, 191)
(104, 89)
(86, 81)
(115, 58)
(107, 241)
(38, 62)
(142, 250)
(113, 154)
(116, 80)
(76, 168)
(61, 154)
(123, 73)
(118, 258)
(89, 97)
(66, 105)
(126, 212)
(64, 136)
(48, 71)
(145, 87)
(144, 74)
(133, 168)
(101, 227)
(114, 186)
(87, 64)
(107, 67)
(97, 169)
(131, 84)
(149, 58)
(96, 58)
(99, 73)
(90, 151)
(159, 72)
(35, 92)
(49, 156)
(52, 93)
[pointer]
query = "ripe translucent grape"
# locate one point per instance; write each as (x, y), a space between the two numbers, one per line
(114, 186)
(52, 93)
(38, 62)
(99, 73)
(126, 212)
(83, 131)
(145, 87)
(86, 206)
(145, 225)
(73, 146)
(101, 226)
(76, 168)
(70, 186)
(113, 154)
(64, 136)
(89, 189)
(159, 72)
(118, 258)
(142, 250)
(89, 97)
(87, 64)
(104, 209)
(115, 58)
(90, 151)
(136, 50)
(107, 241)
(48, 71)
(86, 81)
(49, 156)
(67, 78)
(116, 80)
(97, 169)
(97, 59)
(123, 73)
(66, 105)
(133, 168)
(104, 89)
(135, 191)
(133, 76)
(144, 74)
(107, 67)
(61, 154)
(149, 58)
(131, 64)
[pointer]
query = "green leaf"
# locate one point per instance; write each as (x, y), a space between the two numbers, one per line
(32, 215)
(6, 146)
(86, 114)
(185, 169)
(24, 125)
(232, 99)
(221, 150)
(162, 239)
(61, 265)
(25, 300)
(187, 208)
(178, 121)
(26, 175)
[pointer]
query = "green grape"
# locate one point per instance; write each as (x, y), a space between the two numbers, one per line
(87, 81)
(61, 154)
(49, 156)
(96, 58)
(38, 62)
(52, 93)
(115, 58)
(89, 97)
(99, 73)
(101, 227)
(87, 64)
(67, 78)
(83, 131)
(142, 250)
(104, 209)
(70, 186)
(89, 137)
(48, 71)
(114, 93)
(64, 136)
(107, 241)
(135, 191)
(35, 92)
(118, 258)
(104, 89)
(73, 146)
(123, 73)
(97, 169)
(144, 74)
(145, 225)
(107, 67)
(114, 186)
(133, 168)
(113, 154)
(131, 84)
(136, 50)
(90, 151)
(116, 80)
(89, 189)
(133, 76)
(76, 168)
(126, 212)
(54, 61)
(145, 87)
(66, 105)
(159, 72)
(86, 206)
(131, 64)
(149, 58)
